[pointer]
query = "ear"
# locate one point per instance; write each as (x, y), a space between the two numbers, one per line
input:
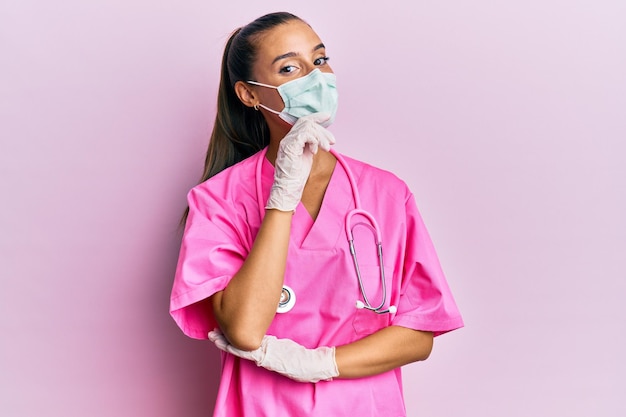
(246, 94)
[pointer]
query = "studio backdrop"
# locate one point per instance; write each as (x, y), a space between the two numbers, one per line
(506, 119)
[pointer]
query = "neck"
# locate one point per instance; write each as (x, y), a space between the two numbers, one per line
(278, 130)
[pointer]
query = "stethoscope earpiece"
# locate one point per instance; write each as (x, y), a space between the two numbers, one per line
(391, 310)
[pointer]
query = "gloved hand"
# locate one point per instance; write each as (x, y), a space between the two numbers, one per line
(286, 357)
(294, 160)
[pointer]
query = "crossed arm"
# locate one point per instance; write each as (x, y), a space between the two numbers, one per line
(246, 307)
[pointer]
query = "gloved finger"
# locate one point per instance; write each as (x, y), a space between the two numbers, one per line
(318, 118)
(254, 355)
(294, 143)
(309, 139)
(220, 341)
(326, 140)
(222, 344)
(323, 136)
(237, 352)
(214, 334)
(312, 145)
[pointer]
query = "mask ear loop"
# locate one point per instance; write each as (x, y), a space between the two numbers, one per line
(256, 106)
(262, 85)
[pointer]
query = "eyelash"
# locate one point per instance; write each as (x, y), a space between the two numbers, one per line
(325, 59)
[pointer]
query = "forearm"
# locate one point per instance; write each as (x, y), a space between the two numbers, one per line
(245, 309)
(387, 349)
(383, 351)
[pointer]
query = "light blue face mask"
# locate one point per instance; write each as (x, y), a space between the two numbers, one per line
(316, 92)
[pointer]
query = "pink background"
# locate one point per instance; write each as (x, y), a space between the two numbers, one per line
(507, 119)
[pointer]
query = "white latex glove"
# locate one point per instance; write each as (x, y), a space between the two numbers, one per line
(294, 160)
(286, 357)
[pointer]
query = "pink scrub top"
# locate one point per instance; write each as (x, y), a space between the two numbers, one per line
(224, 218)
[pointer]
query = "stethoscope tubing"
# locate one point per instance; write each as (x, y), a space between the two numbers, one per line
(357, 211)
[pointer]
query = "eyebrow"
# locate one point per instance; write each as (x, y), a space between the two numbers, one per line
(292, 54)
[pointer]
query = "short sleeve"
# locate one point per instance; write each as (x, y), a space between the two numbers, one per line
(211, 253)
(426, 302)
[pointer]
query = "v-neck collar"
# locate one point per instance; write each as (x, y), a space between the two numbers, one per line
(323, 233)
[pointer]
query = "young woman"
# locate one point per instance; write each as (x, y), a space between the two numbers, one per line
(309, 324)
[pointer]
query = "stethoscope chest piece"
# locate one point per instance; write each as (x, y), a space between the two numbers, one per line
(287, 300)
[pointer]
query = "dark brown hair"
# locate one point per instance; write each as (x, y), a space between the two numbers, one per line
(239, 131)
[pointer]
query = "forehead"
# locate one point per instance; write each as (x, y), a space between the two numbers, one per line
(293, 36)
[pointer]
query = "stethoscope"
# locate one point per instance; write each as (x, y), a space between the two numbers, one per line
(288, 296)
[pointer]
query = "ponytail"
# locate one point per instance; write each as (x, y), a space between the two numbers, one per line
(239, 131)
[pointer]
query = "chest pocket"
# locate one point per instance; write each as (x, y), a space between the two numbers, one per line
(366, 322)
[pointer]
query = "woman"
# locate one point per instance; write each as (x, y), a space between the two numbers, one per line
(266, 228)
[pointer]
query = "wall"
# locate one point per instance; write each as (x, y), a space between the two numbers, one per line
(506, 119)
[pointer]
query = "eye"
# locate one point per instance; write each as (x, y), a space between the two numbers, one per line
(287, 69)
(321, 60)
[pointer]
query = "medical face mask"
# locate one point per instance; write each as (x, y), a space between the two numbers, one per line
(316, 92)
